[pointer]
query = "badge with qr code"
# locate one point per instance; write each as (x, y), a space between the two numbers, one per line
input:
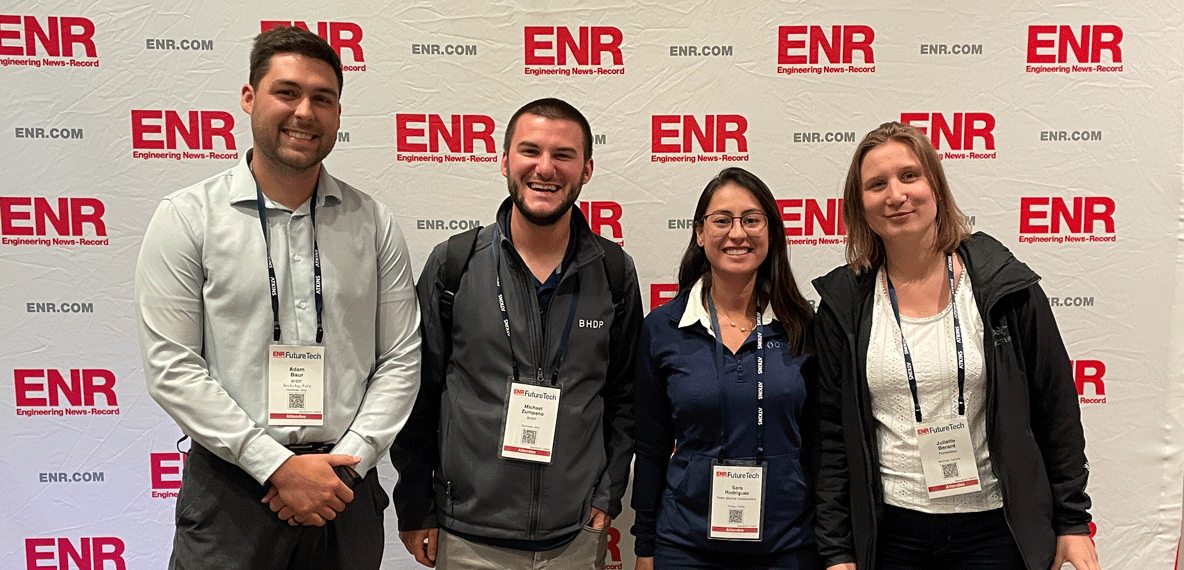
(295, 385)
(531, 414)
(737, 500)
(947, 458)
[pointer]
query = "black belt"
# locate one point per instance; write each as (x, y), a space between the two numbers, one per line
(310, 448)
(296, 448)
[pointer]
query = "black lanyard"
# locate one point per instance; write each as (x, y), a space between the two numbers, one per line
(501, 303)
(316, 264)
(908, 357)
(760, 371)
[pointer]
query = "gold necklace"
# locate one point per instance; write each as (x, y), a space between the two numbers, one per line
(732, 321)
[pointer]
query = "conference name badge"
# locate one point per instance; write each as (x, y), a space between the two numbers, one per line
(947, 458)
(531, 413)
(295, 385)
(737, 500)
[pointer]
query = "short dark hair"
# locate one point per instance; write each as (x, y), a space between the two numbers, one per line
(291, 39)
(775, 283)
(865, 249)
(555, 109)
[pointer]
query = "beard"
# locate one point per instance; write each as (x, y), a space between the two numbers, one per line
(542, 218)
(266, 141)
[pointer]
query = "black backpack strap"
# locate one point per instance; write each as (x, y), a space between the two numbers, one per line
(614, 269)
(460, 249)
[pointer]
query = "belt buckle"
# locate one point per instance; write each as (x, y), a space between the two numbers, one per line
(309, 448)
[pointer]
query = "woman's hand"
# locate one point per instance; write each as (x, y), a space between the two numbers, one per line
(1078, 550)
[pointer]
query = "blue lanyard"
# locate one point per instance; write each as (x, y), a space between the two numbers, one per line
(316, 264)
(760, 372)
(501, 303)
(908, 357)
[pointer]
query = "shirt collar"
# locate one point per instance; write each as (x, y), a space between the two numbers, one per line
(242, 186)
(697, 312)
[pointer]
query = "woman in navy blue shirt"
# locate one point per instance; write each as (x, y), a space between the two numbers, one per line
(722, 379)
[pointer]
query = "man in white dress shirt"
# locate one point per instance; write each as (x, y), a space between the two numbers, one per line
(279, 327)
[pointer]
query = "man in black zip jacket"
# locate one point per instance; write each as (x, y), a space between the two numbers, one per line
(517, 452)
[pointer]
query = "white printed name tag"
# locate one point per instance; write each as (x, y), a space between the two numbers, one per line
(947, 458)
(531, 413)
(296, 384)
(737, 500)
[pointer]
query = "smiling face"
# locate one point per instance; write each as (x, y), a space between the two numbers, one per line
(545, 168)
(898, 200)
(295, 113)
(734, 252)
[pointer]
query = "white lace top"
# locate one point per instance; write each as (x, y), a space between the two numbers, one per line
(931, 342)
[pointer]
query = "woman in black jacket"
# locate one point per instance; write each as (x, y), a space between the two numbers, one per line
(949, 424)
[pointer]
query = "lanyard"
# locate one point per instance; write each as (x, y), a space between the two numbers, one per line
(501, 303)
(908, 357)
(316, 264)
(760, 371)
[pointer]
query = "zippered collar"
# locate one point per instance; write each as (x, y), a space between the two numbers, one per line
(994, 271)
(582, 248)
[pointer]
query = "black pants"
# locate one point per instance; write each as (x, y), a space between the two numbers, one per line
(669, 556)
(911, 540)
(222, 524)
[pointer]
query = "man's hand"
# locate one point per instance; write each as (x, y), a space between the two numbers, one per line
(644, 563)
(843, 566)
(305, 490)
(422, 544)
(600, 519)
(1078, 550)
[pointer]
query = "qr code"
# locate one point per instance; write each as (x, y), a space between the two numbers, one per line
(295, 401)
(949, 470)
(529, 436)
(735, 516)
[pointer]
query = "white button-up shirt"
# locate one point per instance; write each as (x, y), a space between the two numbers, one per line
(205, 317)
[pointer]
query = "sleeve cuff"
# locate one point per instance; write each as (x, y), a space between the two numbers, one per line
(262, 457)
(353, 444)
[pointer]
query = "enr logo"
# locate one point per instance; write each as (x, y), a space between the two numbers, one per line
(844, 41)
(552, 45)
(460, 134)
(340, 35)
(90, 554)
(960, 133)
(1086, 47)
(602, 216)
(1090, 372)
(68, 219)
(661, 293)
(197, 131)
(81, 390)
(1058, 215)
(57, 37)
(675, 133)
(166, 464)
(803, 215)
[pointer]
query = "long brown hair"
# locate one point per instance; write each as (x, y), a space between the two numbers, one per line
(774, 279)
(865, 249)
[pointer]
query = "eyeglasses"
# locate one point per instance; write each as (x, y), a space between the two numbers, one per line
(718, 224)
